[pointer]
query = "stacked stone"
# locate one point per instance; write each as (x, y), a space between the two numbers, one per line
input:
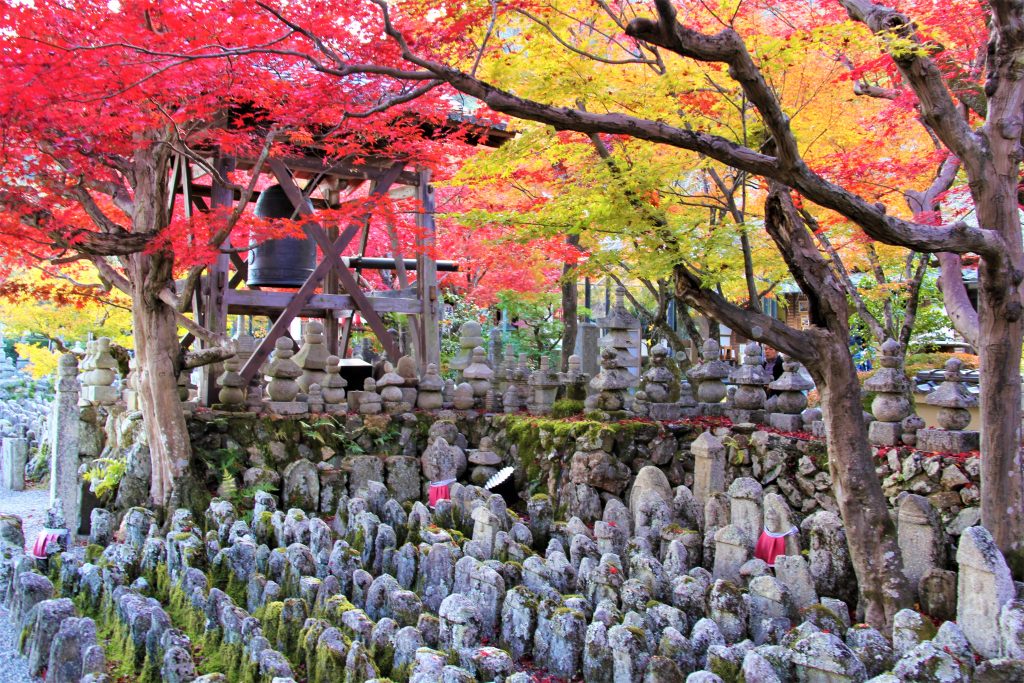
(100, 372)
(312, 356)
(545, 384)
(891, 403)
(470, 337)
(246, 345)
(390, 387)
(505, 370)
(130, 392)
(791, 400)
(282, 388)
(610, 389)
(620, 327)
(708, 376)
(659, 386)
(750, 379)
(479, 375)
(431, 387)
(333, 388)
(369, 401)
(232, 386)
(406, 367)
(953, 401)
(484, 460)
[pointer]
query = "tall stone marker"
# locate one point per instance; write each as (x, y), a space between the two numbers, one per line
(64, 483)
(984, 586)
(13, 456)
(709, 467)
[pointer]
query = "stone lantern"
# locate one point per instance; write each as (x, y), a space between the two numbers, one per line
(708, 376)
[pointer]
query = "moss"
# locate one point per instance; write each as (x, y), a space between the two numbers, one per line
(93, 552)
(566, 407)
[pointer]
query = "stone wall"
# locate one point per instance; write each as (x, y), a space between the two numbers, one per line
(579, 464)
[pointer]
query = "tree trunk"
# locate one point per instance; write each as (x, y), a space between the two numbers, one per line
(570, 307)
(870, 533)
(157, 352)
(1002, 502)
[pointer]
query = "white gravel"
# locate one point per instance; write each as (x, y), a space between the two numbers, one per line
(31, 506)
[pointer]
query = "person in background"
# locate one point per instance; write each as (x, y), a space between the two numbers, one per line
(773, 366)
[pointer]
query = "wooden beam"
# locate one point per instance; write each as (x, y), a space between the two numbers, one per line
(297, 303)
(219, 270)
(239, 299)
(346, 277)
(426, 276)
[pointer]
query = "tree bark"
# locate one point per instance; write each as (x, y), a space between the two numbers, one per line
(570, 307)
(156, 348)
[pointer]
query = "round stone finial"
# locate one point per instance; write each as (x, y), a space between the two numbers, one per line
(659, 352)
(103, 344)
(752, 354)
(952, 370)
(283, 344)
(710, 350)
(890, 353)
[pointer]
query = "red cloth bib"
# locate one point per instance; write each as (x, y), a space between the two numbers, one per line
(770, 546)
(441, 490)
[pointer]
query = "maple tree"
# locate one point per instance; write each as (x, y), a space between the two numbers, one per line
(100, 98)
(934, 74)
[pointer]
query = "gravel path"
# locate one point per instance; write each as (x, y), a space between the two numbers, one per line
(31, 506)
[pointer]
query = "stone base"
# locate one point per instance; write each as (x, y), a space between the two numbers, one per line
(711, 409)
(885, 433)
(664, 411)
(785, 422)
(99, 395)
(752, 416)
(230, 407)
(818, 428)
(335, 408)
(397, 408)
(947, 441)
(287, 407)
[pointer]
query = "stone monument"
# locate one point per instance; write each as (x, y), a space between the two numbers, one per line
(953, 401)
(891, 403)
(708, 376)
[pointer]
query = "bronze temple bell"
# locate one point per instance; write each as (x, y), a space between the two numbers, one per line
(283, 262)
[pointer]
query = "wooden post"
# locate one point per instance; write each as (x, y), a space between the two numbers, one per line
(216, 321)
(426, 274)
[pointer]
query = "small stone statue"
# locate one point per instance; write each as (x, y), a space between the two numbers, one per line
(659, 384)
(463, 398)
(390, 387)
(575, 380)
(470, 337)
(545, 388)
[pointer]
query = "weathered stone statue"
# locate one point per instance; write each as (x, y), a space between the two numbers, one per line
(575, 380)
(659, 384)
(470, 337)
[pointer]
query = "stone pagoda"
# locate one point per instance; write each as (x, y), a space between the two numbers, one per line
(791, 399)
(610, 389)
(708, 376)
(891, 403)
(470, 337)
(750, 379)
(620, 334)
(953, 402)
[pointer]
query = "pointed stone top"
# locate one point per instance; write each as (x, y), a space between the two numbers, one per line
(978, 550)
(746, 487)
(791, 379)
(314, 331)
(478, 368)
(890, 353)
(707, 445)
(951, 393)
(431, 380)
(752, 354)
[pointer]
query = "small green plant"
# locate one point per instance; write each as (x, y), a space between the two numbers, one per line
(104, 475)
